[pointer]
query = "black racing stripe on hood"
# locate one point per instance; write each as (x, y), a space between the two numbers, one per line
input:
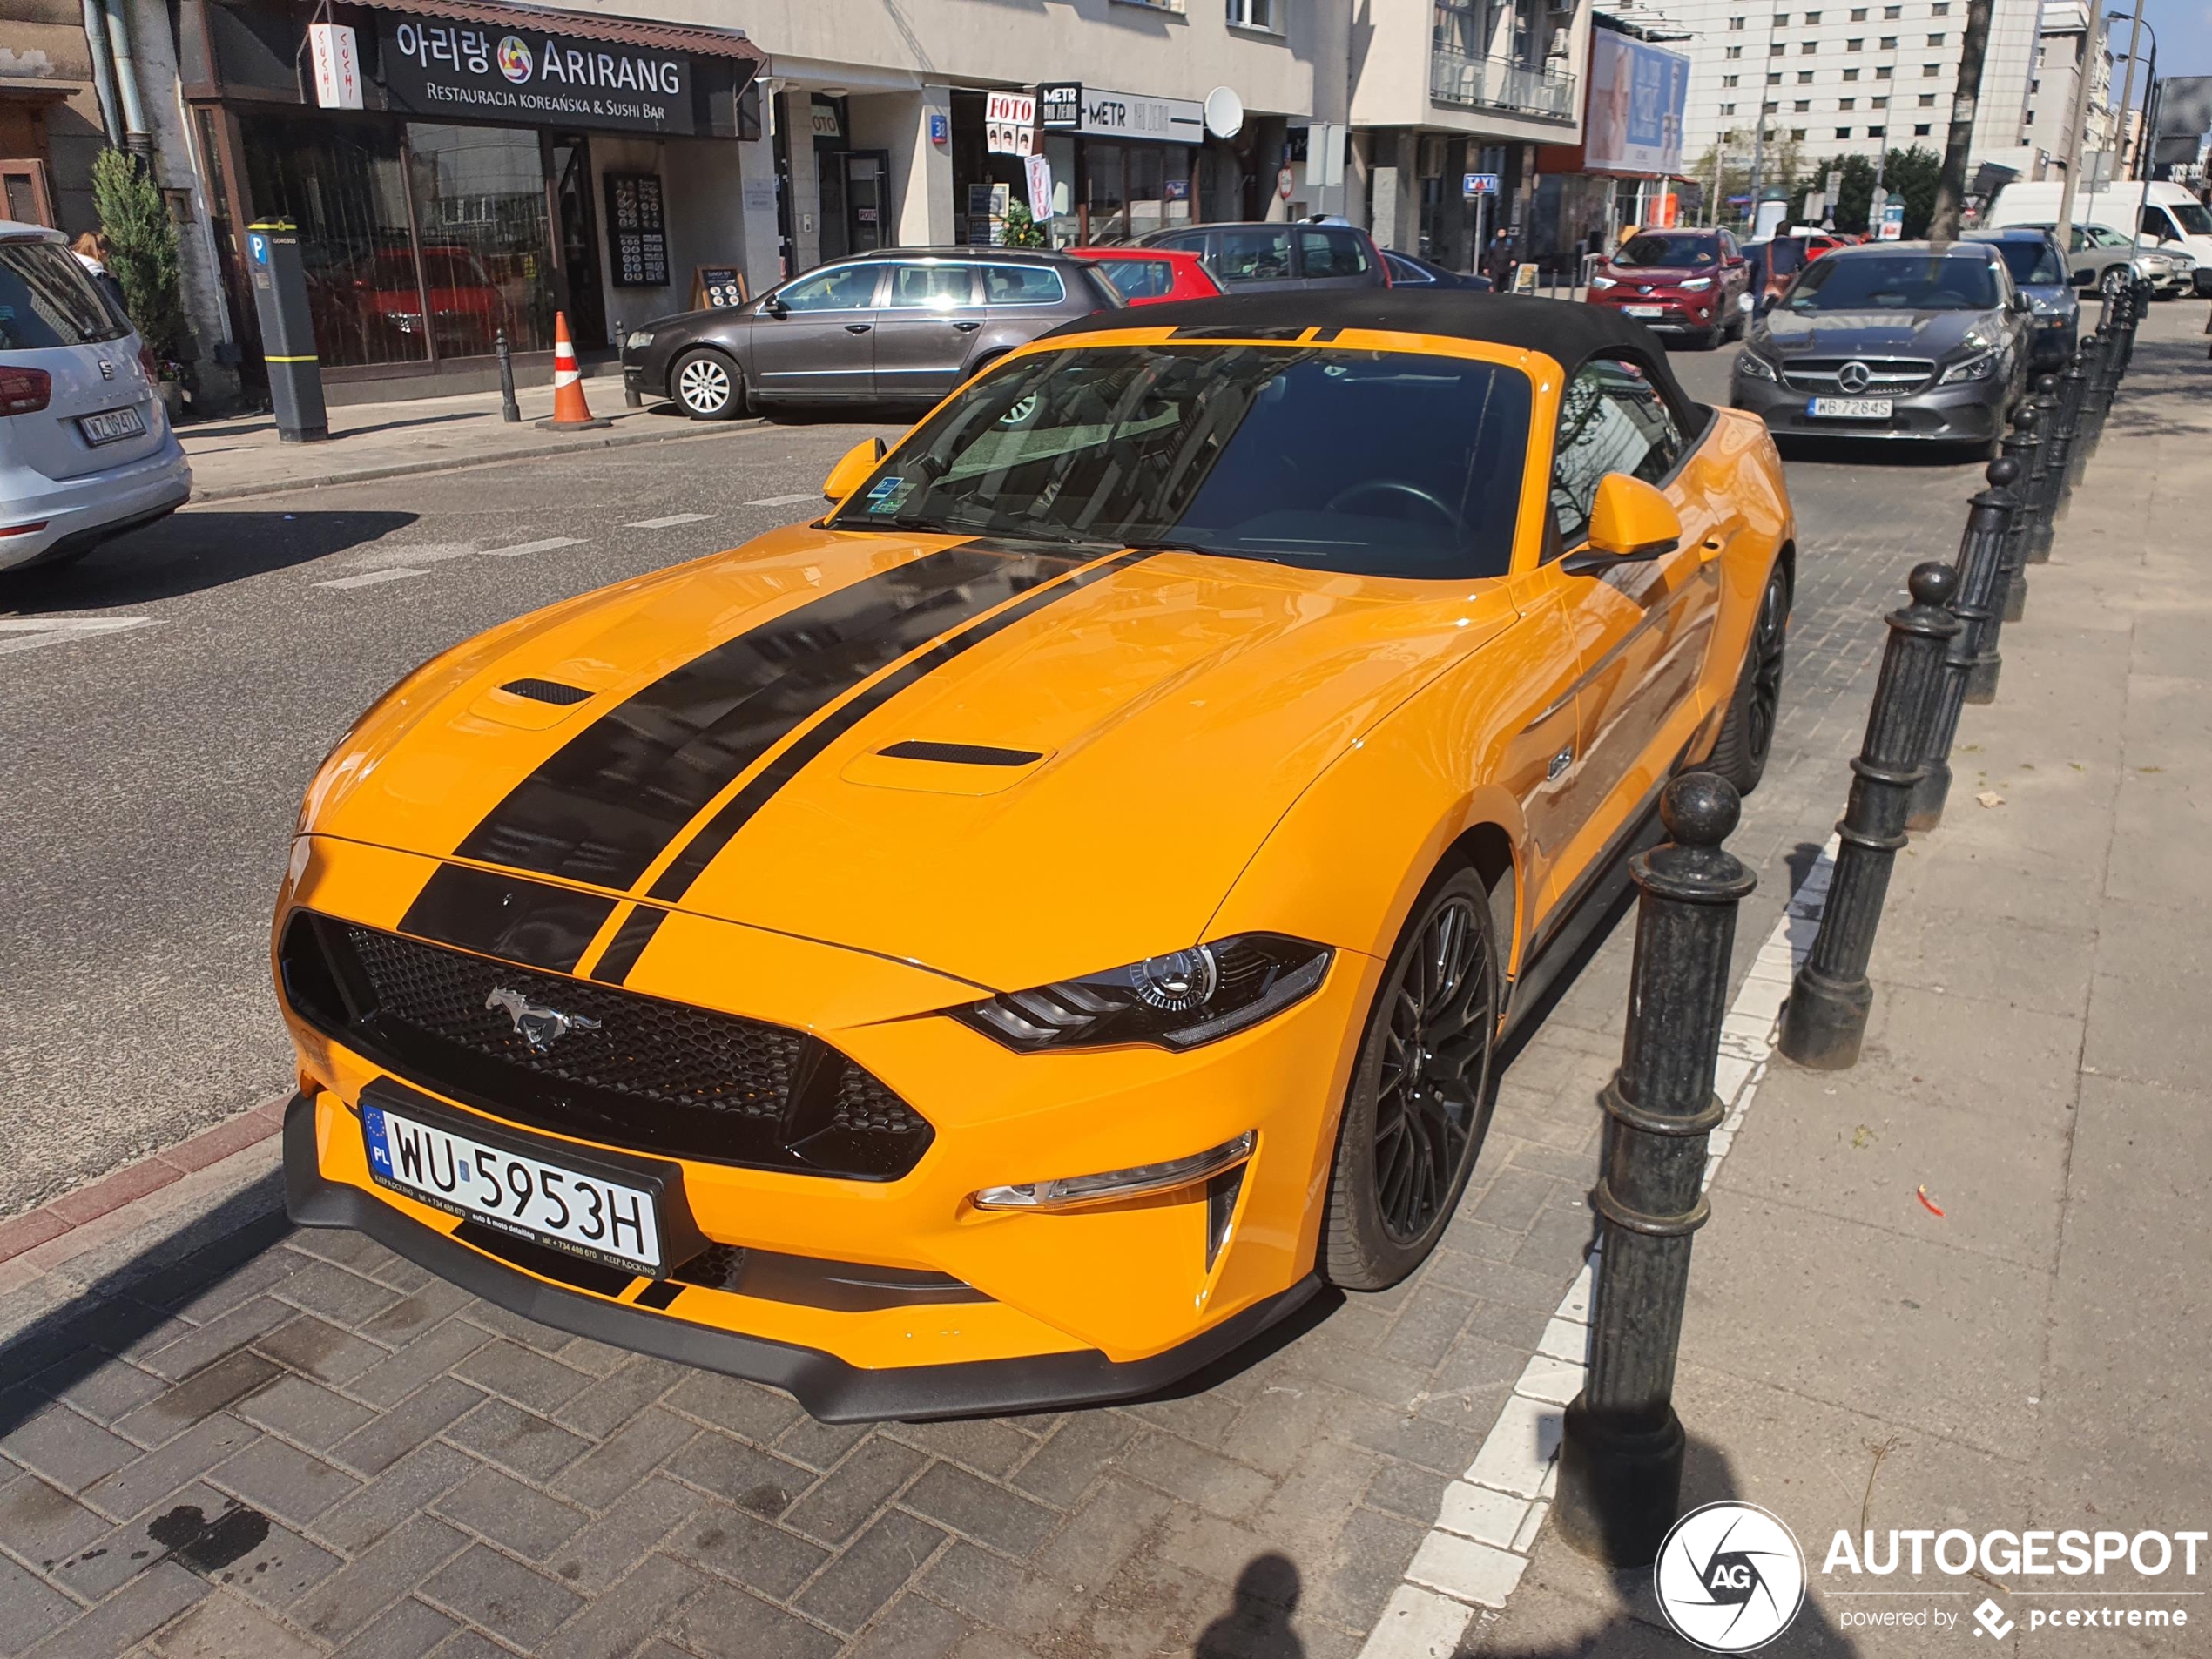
(704, 847)
(602, 807)
(505, 916)
(628, 945)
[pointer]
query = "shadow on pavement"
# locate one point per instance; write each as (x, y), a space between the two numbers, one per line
(1258, 1626)
(190, 552)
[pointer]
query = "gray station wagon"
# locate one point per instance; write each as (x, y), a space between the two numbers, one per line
(903, 325)
(1248, 257)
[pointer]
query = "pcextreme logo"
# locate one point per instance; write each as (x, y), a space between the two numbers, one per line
(1730, 1577)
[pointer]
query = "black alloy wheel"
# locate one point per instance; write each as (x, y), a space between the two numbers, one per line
(1747, 732)
(2111, 284)
(1421, 1095)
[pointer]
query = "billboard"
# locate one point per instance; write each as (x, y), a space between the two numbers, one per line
(1637, 96)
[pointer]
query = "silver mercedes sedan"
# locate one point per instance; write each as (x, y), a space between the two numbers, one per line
(1926, 342)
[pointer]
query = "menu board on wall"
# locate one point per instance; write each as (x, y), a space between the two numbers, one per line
(637, 230)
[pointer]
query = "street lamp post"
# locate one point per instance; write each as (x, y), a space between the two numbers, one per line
(2092, 28)
(2150, 114)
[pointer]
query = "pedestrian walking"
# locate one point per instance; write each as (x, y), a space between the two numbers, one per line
(91, 250)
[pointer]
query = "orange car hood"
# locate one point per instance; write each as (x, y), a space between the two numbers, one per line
(1153, 717)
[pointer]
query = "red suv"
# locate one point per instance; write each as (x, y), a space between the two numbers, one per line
(1678, 282)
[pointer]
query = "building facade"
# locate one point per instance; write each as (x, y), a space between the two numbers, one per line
(1829, 81)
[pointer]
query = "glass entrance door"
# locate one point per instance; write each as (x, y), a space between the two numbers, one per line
(868, 199)
(569, 155)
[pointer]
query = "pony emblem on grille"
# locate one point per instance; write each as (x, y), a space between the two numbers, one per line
(538, 1026)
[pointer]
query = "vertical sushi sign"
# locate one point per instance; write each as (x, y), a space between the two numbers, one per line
(338, 65)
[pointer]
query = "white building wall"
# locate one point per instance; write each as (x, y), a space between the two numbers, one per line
(1830, 94)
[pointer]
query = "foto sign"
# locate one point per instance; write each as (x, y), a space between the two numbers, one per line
(1009, 123)
(1478, 184)
(337, 57)
(446, 70)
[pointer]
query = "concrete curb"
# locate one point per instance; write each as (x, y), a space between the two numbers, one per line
(51, 1255)
(457, 464)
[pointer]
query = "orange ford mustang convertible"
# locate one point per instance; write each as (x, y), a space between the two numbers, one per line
(1008, 943)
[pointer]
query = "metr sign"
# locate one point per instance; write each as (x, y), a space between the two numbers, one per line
(1096, 113)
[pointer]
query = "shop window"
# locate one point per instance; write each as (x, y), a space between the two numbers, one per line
(342, 183)
(480, 210)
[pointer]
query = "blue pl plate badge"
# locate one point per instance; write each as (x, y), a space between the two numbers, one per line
(379, 1151)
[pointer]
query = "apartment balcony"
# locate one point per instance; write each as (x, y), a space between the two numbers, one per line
(1467, 83)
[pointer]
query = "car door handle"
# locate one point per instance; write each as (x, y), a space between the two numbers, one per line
(967, 327)
(858, 327)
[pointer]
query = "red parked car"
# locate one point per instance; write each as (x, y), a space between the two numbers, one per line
(1147, 276)
(466, 307)
(1677, 282)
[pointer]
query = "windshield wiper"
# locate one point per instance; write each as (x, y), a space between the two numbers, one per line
(1168, 544)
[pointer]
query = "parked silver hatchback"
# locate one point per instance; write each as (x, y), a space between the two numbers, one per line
(86, 451)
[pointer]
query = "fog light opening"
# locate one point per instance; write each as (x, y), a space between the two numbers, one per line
(1221, 1210)
(1081, 1191)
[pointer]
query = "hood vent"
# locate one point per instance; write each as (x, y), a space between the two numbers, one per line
(962, 754)
(547, 691)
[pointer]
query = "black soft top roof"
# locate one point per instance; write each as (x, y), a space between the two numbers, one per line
(1562, 329)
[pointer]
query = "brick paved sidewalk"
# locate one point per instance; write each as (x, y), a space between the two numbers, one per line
(296, 1443)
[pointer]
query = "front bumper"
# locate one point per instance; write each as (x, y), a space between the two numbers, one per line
(1677, 314)
(1040, 1308)
(831, 1390)
(1972, 412)
(74, 513)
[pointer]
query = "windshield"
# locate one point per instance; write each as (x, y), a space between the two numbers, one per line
(46, 300)
(1895, 282)
(2031, 263)
(2193, 217)
(1670, 250)
(1372, 464)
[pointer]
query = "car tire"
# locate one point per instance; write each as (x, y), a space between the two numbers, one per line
(706, 385)
(1408, 1135)
(1747, 731)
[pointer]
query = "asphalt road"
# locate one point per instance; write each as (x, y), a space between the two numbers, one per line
(158, 735)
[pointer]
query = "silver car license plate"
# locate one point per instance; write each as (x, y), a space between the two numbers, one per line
(1645, 311)
(529, 1198)
(1849, 408)
(110, 424)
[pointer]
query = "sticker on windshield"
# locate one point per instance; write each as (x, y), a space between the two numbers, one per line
(886, 494)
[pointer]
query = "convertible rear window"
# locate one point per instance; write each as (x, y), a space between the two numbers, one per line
(1369, 462)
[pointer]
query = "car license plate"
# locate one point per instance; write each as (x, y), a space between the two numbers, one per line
(1850, 409)
(529, 1197)
(110, 424)
(1645, 311)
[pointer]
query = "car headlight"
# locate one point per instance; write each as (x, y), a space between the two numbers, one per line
(1179, 1001)
(639, 338)
(1753, 366)
(1974, 368)
(1603, 283)
(1695, 283)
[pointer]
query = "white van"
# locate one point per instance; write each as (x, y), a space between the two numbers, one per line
(2170, 215)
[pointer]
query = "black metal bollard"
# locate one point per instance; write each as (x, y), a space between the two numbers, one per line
(1620, 1461)
(2075, 412)
(2041, 507)
(508, 409)
(2009, 601)
(1981, 557)
(1825, 1016)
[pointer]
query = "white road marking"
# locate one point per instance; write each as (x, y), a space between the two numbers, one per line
(397, 558)
(521, 547)
(783, 501)
(32, 632)
(667, 523)
(1483, 1539)
(370, 578)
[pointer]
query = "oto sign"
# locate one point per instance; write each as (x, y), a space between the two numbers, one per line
(1011, 124)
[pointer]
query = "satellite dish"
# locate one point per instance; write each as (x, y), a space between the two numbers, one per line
(1225, 113)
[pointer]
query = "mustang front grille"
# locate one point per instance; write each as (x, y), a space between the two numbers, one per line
(607, 1065)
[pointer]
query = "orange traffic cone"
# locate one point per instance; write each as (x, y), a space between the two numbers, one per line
(571, 412)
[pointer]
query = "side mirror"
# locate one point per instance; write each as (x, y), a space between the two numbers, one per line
(1630, 521)
(774, 307)
(853, 471)
(2021, 302)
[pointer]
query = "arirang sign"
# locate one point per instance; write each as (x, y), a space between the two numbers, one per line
(469, 70)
